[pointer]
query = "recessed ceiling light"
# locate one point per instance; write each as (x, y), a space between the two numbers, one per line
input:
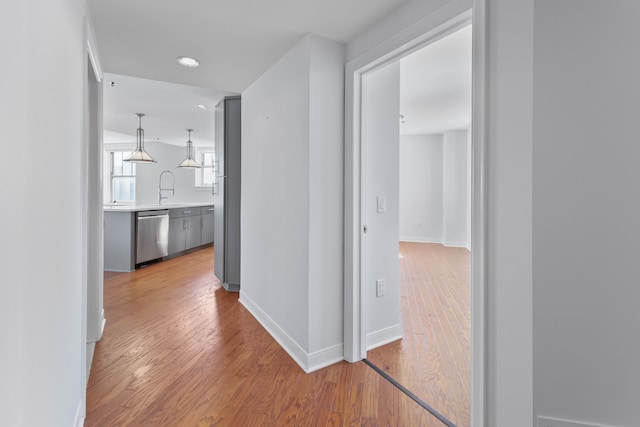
(187, 61)
(202, 107)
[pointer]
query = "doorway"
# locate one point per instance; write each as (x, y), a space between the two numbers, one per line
(416, 189)
(362, 285)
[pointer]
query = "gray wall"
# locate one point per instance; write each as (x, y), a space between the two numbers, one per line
(586, 200)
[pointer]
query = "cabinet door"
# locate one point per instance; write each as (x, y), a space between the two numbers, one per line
(207, 225)
(193, 231)
(176, 235)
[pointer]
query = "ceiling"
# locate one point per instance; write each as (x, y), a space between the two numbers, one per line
(169, 109)
(435, 86)
(235, 42)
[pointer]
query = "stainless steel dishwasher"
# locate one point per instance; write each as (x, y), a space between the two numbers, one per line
(152, 235)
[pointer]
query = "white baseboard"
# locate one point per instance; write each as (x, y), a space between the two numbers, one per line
(102, 324)
(419, 239)
(452, 244)
(309, 362)
(323, 358)
(384, 336)
(79, 420)
(556, 422)
(91, 347)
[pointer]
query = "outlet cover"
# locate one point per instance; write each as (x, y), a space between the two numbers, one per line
(554, 422)
(380, 287)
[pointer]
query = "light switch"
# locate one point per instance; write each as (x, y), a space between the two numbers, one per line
(382, 204)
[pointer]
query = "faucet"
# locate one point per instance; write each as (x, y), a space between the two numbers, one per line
(160, 189)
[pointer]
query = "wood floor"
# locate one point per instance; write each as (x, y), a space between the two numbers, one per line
(178, 350)
(433, 360)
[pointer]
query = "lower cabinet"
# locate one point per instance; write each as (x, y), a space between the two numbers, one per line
(189, 228)
(207, 225)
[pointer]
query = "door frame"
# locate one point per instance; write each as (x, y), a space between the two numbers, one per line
(93, 320)
(428, 30)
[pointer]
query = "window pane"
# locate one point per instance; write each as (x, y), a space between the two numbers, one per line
(128, 168)
(117, 162)
(124, 189)
(207, 176)
(207, 159)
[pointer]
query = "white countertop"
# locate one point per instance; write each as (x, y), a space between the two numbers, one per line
(140, 208)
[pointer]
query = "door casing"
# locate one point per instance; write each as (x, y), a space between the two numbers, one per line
(428, 30)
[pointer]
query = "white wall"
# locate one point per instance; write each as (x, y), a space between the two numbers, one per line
(421, 188)
(292, 201)
(435, 188)
(381, 103)
(41, 293)
(455, 188)
(168, 156)
(586, 202)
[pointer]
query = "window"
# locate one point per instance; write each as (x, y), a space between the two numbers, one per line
(123, 178)
(205, 177)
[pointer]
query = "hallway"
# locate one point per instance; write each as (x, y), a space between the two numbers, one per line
(178, 350)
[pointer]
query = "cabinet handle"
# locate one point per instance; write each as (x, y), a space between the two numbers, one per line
(186, 212)
(210, 209)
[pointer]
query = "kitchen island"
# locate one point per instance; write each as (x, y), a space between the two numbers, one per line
(136, 234)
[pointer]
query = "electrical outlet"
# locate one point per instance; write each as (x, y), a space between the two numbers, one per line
(380, 287)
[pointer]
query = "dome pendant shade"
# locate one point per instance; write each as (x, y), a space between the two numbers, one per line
(189, 162)
(140, 155)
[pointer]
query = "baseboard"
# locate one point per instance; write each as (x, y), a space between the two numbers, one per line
(91, 347)
(79, 420)
(452, 244)
(309, 362)
(556, 422)
(384, 336)
(231, 287)
(414, 239)
(102, 324)
(323, 358)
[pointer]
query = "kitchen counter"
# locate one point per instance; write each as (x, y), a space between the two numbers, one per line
(190, 226)
(142, 208)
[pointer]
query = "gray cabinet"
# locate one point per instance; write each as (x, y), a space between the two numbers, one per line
(227, 198)
(119, 241)
(190, 228)
(176, 235)
(184, 229)
(207, 224)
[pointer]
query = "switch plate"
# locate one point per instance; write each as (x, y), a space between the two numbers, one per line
(382, 204)
(380, 287)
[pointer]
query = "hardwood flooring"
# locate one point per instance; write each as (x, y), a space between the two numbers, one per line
(433, 360)
(178, 350)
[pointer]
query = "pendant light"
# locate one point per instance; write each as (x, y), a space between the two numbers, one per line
(189, 162)
(140, 155)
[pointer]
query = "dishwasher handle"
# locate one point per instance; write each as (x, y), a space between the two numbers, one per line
(152, 216)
